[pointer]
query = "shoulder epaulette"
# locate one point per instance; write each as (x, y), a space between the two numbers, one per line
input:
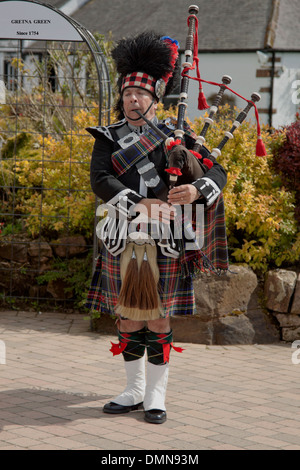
(99, 131)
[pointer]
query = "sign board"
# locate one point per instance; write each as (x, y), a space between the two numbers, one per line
(34, 21)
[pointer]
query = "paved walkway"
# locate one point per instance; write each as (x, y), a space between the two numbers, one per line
(57, 376)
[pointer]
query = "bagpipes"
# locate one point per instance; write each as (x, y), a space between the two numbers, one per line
(185, 166)
(139, 297)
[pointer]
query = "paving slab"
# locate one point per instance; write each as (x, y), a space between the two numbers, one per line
(57, 374)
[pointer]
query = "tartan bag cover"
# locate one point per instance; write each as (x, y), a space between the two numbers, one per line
(124, 159)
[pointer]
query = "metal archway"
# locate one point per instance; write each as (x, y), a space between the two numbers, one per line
(53, 75)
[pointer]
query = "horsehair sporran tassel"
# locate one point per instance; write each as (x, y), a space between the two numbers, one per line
(139, 298)
(148, 280)
(128, 296)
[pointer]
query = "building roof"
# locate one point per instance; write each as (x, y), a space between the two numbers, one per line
(287, 31)
(55, 3)
(224, 25)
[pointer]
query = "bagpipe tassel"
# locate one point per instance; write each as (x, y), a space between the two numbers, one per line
(260, 147)
(202, 103)
(139, 298)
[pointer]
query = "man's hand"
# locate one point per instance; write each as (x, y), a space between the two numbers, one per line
(156, 209)
(183, 194)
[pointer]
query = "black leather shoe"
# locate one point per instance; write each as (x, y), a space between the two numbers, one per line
(114, 408)
(155, 416)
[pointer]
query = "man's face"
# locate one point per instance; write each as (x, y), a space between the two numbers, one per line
(138, 98)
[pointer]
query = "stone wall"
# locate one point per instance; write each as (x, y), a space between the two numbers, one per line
(282, 293)
(230, 310)
(237, 308)
(22, 260)
(233, 308)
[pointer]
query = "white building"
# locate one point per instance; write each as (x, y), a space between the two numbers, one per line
(256, 42)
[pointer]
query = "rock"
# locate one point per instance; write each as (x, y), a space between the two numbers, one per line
(14, 251)
(221, 302)
(15, 278)
(41, 264)
(220, 295)
(279, 288)
(192, 329)
(57, 288)
(296, 301)
(38, 292)
(290, 326)
(5, 268)
(290, 334)
(233, 329)
(40, 254)
(287, 320)
(69, 246)
(40, 250)
(265, 324)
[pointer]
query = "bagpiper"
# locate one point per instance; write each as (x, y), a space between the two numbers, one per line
(144, 272)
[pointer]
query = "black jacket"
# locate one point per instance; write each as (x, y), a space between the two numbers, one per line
(106, 184)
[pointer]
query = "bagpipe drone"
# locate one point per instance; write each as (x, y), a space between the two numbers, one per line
(185, 166)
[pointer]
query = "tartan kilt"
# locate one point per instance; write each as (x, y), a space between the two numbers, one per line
(177, 294)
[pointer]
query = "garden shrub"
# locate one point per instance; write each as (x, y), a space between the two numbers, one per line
(287, 161)
(262, 230)
(74, 274)
(61, 201)
(261, 226)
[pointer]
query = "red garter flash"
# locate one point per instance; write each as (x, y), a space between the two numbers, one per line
(166, 352)
(117, 348)
(177, 348)
(167, 349)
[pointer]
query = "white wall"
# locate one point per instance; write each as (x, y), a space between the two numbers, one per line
(242, 68)
(287, 89)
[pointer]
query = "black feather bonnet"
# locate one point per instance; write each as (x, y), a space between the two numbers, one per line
(148, 61)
